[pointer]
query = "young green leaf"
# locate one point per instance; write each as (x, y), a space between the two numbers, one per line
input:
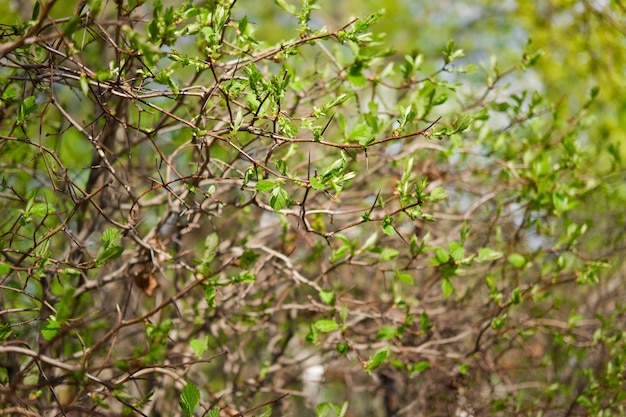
(265, 185)
(210, 248)
(327, 297)
(199, 346)
(326, 326)
(189, 399)
(110, 249)
(50, 328)
(488, 254)
(278, 198)
(446, 287)
(388, 253)
(379, 357)
(404, 277)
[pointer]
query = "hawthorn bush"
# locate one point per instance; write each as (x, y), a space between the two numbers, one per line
(198, 222)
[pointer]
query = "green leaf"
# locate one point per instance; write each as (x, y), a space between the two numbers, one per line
(517, 260)
(328, 297)
(462, 123)
(437, 194)
(265, 185)
(278, 199)
(498, 322)
(199, 346)
(50, 328)
(110, 249)
(189, 399)
(370, 242)
(421, 366)
(214, 412)
(488, 255)
(590, 272)
(248, 258)
(210, 248)
(209, 295)
(342, 348)
(386, 333)
(379, 357)
(446, 287)
(404, 277)
(388, 226)
(450, 53)
(388, 254)
(267, 412)
(339, 253)
(245, 277)
(43, 209)
(326, 326)
(289, 8)
(26, 107)
(84, 85)
(316, 184)
(456, 251)
(343, 314)
(4, 268)
(425, 322)
(442, 256)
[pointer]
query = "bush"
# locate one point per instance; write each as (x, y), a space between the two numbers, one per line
(200, 223)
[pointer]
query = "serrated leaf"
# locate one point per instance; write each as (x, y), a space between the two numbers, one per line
(214, 412)
(189, 399)
(110, 248)
(111, 237)
(326, 326)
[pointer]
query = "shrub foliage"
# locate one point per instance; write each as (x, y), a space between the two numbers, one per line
(201, 223)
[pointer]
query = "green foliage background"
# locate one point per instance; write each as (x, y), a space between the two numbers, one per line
(207, 203)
